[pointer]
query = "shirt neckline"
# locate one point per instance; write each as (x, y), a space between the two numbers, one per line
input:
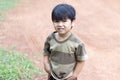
(58, 40)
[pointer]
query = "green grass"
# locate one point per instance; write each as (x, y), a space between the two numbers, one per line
(16, 66)
(6, 6)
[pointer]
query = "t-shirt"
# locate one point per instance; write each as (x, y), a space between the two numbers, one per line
(63, 55)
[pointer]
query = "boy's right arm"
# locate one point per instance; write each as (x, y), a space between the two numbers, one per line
(47, 64)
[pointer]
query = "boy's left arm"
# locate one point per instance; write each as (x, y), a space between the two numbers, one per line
(77, 70)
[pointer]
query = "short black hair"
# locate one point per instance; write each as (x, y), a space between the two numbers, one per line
(63, 12)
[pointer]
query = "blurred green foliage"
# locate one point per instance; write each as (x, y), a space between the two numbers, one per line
(16, 66)
(6, 6)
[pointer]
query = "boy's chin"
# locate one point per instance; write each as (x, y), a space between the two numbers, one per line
(61, 33)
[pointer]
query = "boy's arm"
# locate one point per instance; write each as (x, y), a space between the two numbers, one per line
(77, 70)
(46, 64)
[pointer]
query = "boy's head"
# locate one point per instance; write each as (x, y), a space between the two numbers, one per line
(62, 12)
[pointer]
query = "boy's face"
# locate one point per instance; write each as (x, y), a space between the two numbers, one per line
(63, 27)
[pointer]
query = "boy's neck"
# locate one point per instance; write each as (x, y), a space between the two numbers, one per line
(62, 37)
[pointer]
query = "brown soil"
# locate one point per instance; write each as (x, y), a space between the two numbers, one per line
(26, 27)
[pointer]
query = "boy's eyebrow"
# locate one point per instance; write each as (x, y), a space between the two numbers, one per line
(61, 20)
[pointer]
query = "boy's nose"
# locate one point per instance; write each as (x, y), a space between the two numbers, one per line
(60, 23)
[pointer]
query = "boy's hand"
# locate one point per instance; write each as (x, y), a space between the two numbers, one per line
(46, 64)
(47, 68)
(72, 78)
(77, 70)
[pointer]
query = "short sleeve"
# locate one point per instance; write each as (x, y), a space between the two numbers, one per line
(46, 49)
(81, 53)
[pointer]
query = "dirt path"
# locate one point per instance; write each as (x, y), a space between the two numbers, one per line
(27, 26)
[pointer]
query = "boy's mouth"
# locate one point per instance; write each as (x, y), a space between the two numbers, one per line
(60, 29)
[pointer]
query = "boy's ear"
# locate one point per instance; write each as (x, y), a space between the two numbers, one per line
(73, 24)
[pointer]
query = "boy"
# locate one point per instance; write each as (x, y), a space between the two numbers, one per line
(64, 53)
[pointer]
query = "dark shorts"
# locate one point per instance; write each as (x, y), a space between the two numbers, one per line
(51, 78)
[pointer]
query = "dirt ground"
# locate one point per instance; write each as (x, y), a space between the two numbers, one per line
(98, 25)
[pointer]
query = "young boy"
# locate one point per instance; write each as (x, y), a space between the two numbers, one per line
(64, 53)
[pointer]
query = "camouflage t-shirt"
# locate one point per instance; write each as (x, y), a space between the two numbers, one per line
(63, 55)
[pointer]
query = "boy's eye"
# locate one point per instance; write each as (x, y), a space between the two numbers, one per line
(56, 21)
(64, 20)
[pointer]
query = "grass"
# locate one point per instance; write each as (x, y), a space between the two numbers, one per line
(16, 66)
(6, 6)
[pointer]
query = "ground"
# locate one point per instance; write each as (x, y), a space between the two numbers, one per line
(26, 27)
